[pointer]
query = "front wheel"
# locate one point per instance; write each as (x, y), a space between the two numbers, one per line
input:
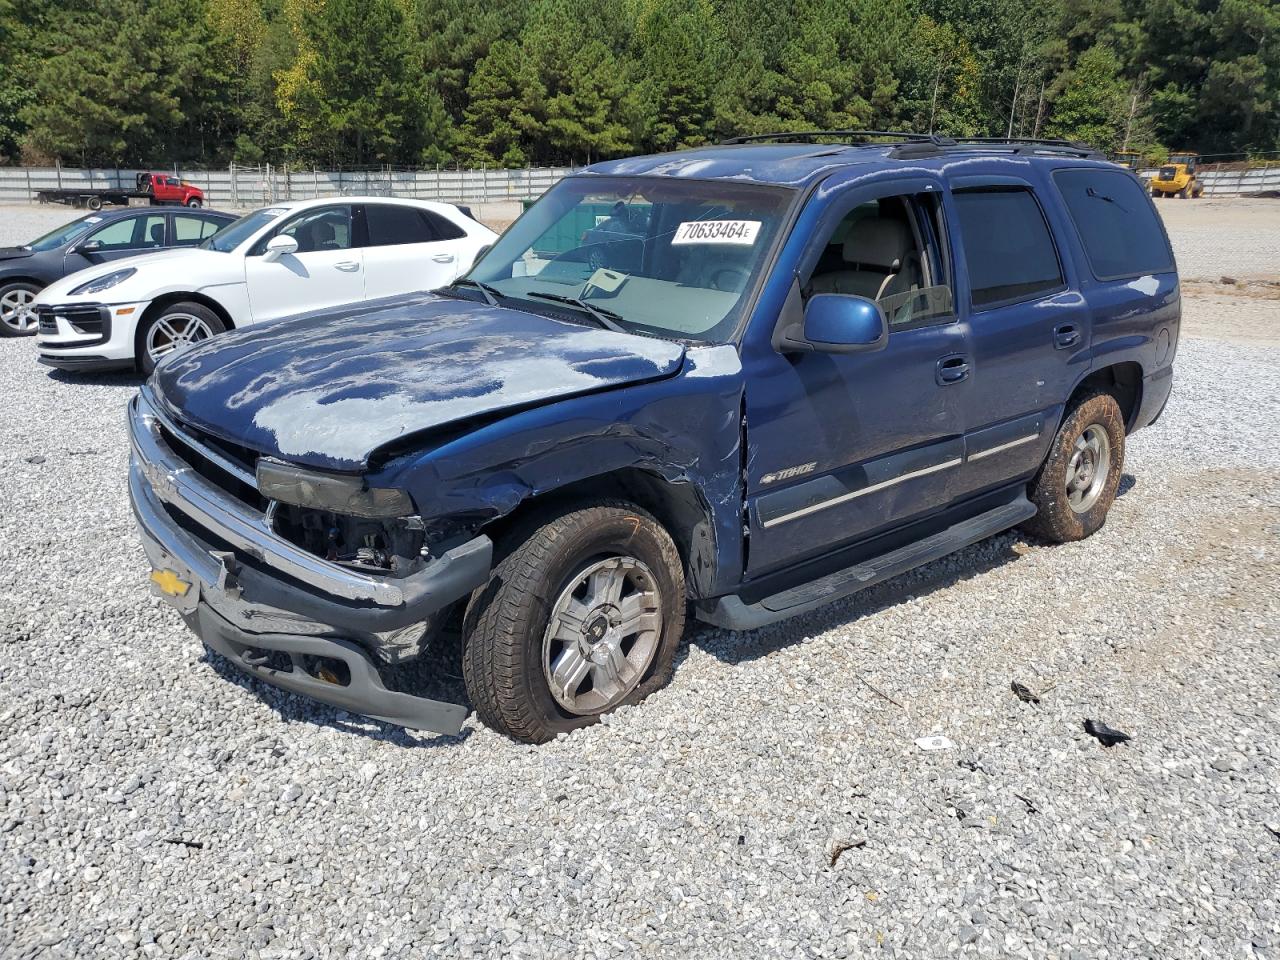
(174, 328)
(194, 202)
(581, 615)
(1077, 483)
(17, 317)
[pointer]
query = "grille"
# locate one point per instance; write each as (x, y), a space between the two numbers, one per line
(83, 319)
(226, 467)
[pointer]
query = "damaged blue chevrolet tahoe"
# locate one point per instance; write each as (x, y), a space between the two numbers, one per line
(738, 382)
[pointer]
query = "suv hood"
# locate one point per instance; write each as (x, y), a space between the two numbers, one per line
(328, 390)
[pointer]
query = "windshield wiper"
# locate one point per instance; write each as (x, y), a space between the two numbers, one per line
(602, 315)
(491, 294)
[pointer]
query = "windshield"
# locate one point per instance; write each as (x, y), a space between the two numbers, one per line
(673, 258)
(64, 234)
(234, 234)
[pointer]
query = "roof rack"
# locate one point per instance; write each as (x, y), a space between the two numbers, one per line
(916, 145)
(1071, 147)
(809, 136)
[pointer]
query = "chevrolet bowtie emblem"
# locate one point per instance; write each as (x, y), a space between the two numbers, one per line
(169, 583)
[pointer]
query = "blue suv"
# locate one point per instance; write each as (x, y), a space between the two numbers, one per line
(735, 383)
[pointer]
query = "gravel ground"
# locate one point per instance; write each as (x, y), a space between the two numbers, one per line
(771, 802)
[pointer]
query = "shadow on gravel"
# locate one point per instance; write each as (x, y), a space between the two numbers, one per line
(106, 378)
(434, 676)
(734, 648)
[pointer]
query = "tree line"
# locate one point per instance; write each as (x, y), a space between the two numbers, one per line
(516, 82)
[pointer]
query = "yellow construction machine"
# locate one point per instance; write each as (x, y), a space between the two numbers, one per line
(1177, 177)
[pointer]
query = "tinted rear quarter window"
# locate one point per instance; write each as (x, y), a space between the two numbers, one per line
(390, 225)
(1008, 249)
(1119, 229)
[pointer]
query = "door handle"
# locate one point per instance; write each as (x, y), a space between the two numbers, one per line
(1066, 335)
(347, 265)
(443, 258)
(952, 370)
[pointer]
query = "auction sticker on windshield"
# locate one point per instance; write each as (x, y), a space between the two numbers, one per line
(741, 232)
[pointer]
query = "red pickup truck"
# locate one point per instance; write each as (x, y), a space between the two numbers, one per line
(165, 188)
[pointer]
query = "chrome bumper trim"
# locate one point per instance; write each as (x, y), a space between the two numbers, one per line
(171, 480)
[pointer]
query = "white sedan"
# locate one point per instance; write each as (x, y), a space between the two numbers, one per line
(282, 260)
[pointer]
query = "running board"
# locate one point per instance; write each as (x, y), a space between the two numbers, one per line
(734, 614)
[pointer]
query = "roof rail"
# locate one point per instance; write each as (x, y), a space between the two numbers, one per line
(1072, 147)
(809, 136)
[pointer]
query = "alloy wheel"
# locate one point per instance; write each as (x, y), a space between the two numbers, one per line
(603, 632)
(16, 312)
(1088, 468)
(175, 331)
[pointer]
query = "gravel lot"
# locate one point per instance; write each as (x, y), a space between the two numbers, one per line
(770, 803)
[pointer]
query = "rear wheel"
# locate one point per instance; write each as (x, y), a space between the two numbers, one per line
(581, 616)
(1077, 483)
(94, 203)
(175, 328)
(17, 317)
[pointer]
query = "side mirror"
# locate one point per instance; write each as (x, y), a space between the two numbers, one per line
(278, 246)
(844, 324)
(89, 246)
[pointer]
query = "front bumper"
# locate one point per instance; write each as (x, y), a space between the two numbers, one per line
(86, 335)
(272, 608)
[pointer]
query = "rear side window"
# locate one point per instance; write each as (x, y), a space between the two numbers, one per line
(188, 230)
(443, 228)
(1008, 249)
(391, 225)
(1118, 227)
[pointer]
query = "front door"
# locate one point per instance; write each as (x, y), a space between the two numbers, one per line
(124, 237)
(843, 446)
(326, 270)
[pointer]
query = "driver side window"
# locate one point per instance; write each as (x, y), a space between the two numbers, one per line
(889, 250)
(328, 228)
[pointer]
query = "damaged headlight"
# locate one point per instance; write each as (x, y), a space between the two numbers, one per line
(349, 496)
(105, 282)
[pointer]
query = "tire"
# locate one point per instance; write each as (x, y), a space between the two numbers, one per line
(510, 649)
(94, 203)
(194, 203)
(1093, 431)
(181, 324)
(16, 317)
(1184, 193)
(1155, 193)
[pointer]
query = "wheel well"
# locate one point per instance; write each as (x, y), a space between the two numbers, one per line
(679, 507)
(31, 280)
(1123, 381)
(159, 303)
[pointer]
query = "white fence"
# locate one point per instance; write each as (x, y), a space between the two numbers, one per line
(1234, 183)
(254, 186)
(243, 186)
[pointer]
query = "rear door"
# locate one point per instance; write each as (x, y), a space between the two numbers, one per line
(1028, 325)
(844, 446)
(407, 249)
(325, 271)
